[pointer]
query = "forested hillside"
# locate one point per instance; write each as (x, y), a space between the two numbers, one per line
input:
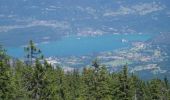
(35, 79)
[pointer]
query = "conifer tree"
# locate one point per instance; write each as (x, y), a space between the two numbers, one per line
(166, 89)
(138, 88)
(7, 91)
(19, 70)
(124, 88)
(60, 89)
(51, 77)
(88, 81)
(156, 89)
(3, 55)
(97, 82)
(32, 53)
(102, 91)
(36, 77)
(38, 83)
(75, 86)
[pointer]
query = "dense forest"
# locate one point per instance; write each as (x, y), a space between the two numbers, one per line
(35, 79)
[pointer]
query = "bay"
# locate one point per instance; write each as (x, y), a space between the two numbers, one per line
(82, 45)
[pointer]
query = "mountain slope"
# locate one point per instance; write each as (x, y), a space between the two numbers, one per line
(29, 19)
(161, 39)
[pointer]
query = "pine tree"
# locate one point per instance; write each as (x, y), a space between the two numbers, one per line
(37, 83)
(97, 81)
(32, 53)
(114, 85)
(75, 85)
(102, 91)
(59, 84)
(7, 91)
(124, 91)
(156, 89)
(138, 88)
(36, 77)
(3, 55)
(19, 70)
(51, 77)
(88, 81)
(166, 90)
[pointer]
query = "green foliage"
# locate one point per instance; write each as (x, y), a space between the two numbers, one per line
(19, 69)
(158, 90)
(124, 89)
(96, 83)
(32, 53)
(7, 91)
(37, 82)
(3, 55)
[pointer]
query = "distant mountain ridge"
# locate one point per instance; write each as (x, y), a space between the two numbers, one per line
(161, 39)
(37, 19)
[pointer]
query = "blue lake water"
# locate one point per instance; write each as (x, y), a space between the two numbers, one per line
(77, 46)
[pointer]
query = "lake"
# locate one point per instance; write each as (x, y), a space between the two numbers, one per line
(82, 45)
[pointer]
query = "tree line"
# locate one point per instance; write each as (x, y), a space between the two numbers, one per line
(36, 79)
